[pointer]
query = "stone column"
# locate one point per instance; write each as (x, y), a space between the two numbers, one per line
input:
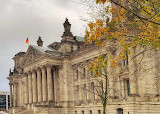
(30, 87)
(111, 87)
(26, 89)
(123, 88)
(15, 94)
(133, 78)
(55, 85)
(39, 85)
(133, 91)
(97, 88)
(34, 86)
(49, 83)
(10, 95)
(89, 92)
(44, 84)
(21, 93)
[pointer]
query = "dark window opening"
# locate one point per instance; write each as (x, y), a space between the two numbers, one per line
(76, 74)
(119, 111)
(99, 111)
(84, 72)
(125, 61)
(128, 87)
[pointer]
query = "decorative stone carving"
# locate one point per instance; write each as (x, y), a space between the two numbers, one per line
(31, 55)
(39, 41)
(67, 27)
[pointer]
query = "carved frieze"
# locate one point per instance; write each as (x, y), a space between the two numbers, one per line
(31, 55)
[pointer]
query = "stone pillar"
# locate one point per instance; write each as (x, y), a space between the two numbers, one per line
(88, 92)
(55, 85)
(111, 87)
(44, 84)
(10, 95)
(34, 86)
(123, 88)
(133, 78)
(133, 91)
(30, 87)
(15, 94)
(21, 93)
(97, 89)
(49, 83)
(26, 90)
(39, 85)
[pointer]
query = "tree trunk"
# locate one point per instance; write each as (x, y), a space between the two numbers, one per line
(104, 109)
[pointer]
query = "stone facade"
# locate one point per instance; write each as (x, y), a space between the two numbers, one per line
(54, 80)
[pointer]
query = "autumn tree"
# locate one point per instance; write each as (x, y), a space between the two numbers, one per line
(134, 23)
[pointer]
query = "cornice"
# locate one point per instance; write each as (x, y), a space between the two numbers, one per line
(41, 58)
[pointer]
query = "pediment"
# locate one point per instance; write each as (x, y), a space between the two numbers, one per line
(31, 55)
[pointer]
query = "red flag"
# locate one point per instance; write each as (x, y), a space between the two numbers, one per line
(27, 41)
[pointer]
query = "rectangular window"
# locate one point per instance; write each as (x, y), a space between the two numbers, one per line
(84, 72)
(99, 111)
(119, 111)
(82, 112)
(75, 112)
(90, 111)
(128, 87)
(76, 74)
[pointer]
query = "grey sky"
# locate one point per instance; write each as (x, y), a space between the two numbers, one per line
(20, 19)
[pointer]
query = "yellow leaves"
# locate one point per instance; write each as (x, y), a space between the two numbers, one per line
(127, 29)
(101, 1)
(149, 35)
(91, 25)
(114, 62)
(95, 33)
(97, 66)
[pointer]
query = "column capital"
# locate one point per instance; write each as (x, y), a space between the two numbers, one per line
(29, 73)
(43, 67)
(59, 67)
(48, 65)
(15, 83)
(25, 73)
(10, 84)
(33, 70)
(38, 68)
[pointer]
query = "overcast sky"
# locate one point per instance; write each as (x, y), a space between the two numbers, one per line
(21, 19)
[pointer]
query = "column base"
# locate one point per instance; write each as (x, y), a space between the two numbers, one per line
(50, 103)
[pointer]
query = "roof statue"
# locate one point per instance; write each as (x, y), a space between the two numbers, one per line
(67, 27)
(39, 41)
